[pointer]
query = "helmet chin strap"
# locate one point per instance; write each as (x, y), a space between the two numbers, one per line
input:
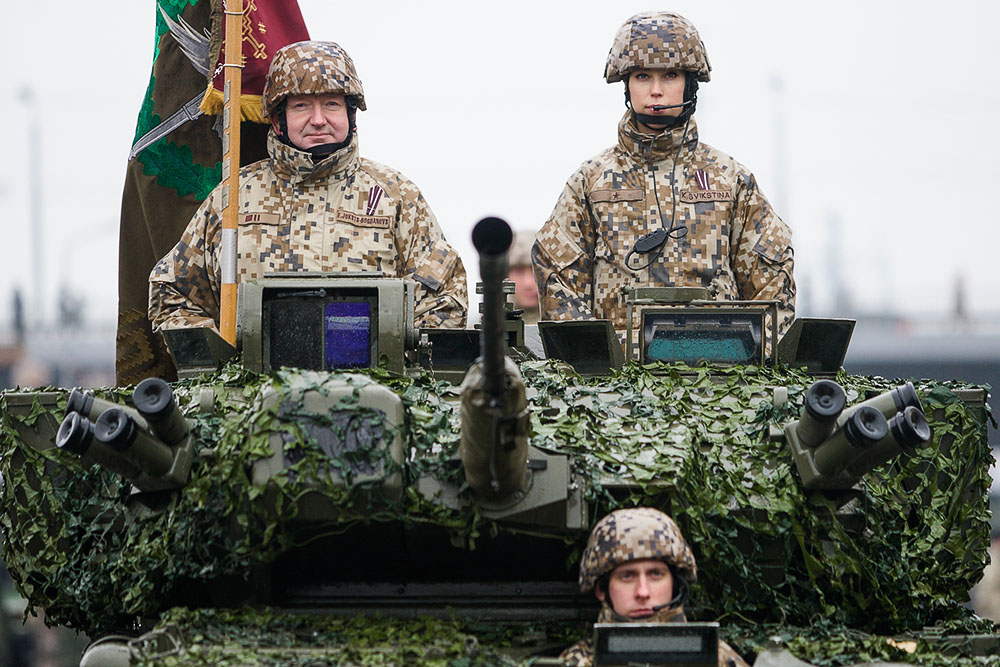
(669, 122)
(323, 150)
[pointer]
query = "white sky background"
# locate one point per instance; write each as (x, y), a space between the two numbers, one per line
(883, 145)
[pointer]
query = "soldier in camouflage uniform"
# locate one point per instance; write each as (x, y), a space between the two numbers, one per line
(697, 214)
(639, 566)
(315, 205)
(520, 272)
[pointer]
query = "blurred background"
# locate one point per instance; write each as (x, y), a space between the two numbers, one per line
(873, 128)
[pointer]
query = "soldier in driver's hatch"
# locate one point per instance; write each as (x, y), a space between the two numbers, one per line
(660, 208)
(313, 205)
(639, 566)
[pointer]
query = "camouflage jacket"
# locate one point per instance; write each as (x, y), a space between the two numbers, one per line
(344, 213)
(581, 654)
(735, 244)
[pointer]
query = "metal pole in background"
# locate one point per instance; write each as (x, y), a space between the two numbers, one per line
(30, 100)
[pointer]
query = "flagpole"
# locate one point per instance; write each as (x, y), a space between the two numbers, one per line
(233, 64)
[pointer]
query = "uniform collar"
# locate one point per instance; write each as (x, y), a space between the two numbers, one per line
(653, 147)
(295, 166)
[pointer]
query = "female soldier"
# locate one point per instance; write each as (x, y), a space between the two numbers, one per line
(660, 208)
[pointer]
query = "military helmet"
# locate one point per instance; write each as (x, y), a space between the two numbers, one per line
(311, 68)
(657, 40)
(520, 250)
(632, 534)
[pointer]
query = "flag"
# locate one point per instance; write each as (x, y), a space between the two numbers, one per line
(175, 161)
(268, 25)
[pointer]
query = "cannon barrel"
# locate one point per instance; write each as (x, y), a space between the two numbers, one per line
(492, 238)
(494, 412)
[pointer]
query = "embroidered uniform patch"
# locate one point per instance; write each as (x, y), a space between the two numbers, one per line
(702, 177)
(377, 221)
(695, 196)
(617, 195)
(260, 219)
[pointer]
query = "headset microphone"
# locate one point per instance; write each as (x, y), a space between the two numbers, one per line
(661, 107)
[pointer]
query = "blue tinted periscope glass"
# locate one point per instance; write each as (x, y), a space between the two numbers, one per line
(347, 334)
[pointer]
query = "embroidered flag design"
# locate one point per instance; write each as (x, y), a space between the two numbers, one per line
(702, 177)
(374, 195)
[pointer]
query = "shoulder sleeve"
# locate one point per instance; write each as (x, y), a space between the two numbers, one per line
(563, 256)
(184, 285)
(580, 654)
(764, 260)
(427, 258)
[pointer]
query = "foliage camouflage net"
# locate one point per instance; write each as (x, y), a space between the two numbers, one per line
(899, 556)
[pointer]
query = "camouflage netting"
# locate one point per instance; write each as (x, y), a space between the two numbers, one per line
(902, 556)
(268, 637)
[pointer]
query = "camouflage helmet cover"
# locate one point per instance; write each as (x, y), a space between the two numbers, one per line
(632, 534)
(520, 250)
(311, 68)
(657, 40)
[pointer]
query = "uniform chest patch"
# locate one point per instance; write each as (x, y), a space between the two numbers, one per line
(695, 196)
(617, 195)
(260, 219)
(358, 220)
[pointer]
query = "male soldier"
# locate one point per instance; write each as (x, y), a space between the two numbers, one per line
(313, 205)
(660, 208)
(639, 566)
(525, 289)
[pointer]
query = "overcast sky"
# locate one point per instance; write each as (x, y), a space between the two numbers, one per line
(873, 127)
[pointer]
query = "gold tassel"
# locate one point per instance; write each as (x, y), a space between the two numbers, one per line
(251, 107)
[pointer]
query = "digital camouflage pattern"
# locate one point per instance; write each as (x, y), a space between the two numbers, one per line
(311, 68)
(632, 534)
(657, 40)
(343, 213)
(736, 245)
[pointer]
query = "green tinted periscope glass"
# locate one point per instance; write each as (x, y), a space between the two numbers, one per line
(694, 338)
(712, 348)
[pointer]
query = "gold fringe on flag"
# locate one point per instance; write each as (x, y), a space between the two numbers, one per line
(251, 107)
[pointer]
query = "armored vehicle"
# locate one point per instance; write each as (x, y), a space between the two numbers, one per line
(344, 488)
